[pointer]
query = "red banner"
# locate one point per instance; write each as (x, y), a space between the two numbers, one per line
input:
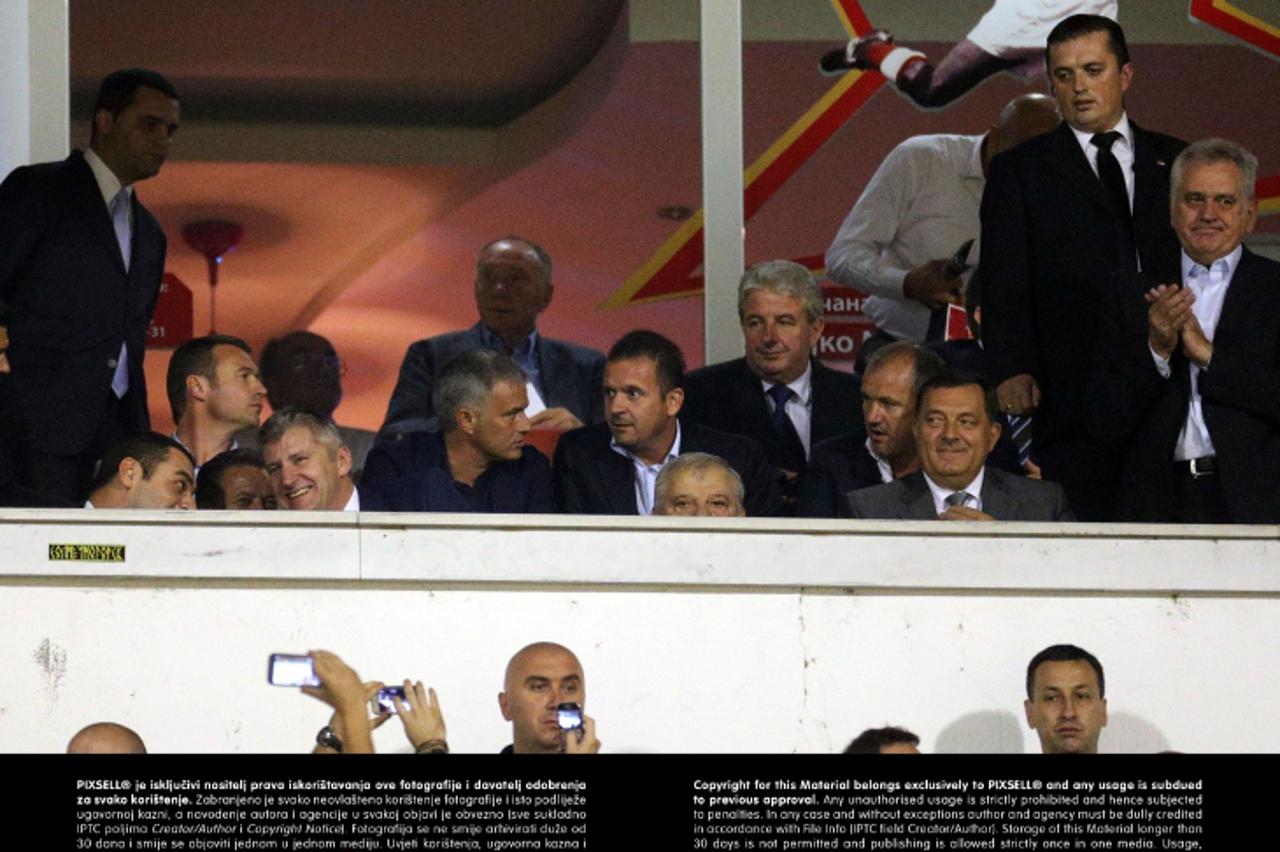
(173, 322)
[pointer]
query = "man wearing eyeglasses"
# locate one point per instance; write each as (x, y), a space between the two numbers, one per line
(1195, 369)
(303, 370)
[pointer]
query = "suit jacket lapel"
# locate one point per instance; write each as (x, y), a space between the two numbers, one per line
(556, 372)
(1240, 302)
(1147, 174)
(823, 414)
(1062, 154)
(917, 500)
(996, 499)
(617, 481)
(97, 217)
(750, 403)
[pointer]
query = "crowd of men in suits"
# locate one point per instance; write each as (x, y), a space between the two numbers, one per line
(1126, 363)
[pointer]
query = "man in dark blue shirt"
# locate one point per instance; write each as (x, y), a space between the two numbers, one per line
(478, 461)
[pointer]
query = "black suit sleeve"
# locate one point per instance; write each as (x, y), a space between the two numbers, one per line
(820, 493)
(22, 212)
(540, 498)
(1061, 511)
(761, 483)
(1244, 378)
(595, 401)
(567, 475)
(1124, 383)
(1007, 326)
(412, 404)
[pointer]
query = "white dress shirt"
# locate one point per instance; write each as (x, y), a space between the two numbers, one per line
(1210, 286)
(920, 205)
(941, 494)
(646, 475)
(799, 407)
(353, 505)
(882, 463)
(1121, 149)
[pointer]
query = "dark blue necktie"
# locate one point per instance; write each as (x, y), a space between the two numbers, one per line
(790, 448)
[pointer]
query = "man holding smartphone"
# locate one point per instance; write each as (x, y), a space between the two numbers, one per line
(543, 696)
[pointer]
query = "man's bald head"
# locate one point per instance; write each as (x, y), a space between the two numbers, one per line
(540, 677)
(1022, 118)
(106, 738)
(536, 651)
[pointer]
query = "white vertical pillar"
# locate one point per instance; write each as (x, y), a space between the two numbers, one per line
(721, 49)
(50, 64)
(35, 92)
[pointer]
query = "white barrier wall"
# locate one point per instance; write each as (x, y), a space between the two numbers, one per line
(696, 635)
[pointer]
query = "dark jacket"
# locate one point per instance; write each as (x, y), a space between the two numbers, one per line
(592, 479)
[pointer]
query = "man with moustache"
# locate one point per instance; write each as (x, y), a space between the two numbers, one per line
(957, 424)
(1191, 374)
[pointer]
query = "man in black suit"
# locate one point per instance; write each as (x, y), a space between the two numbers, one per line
(883, 448)
(612, 468)
(513, 286)
(80, 266)
(1192, 372)
(957, 425)
(1068, 218)
(778, 395)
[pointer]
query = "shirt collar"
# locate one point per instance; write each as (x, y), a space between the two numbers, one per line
(800, 387)
(353, 505)
(882, 463)
(108, 184)
(524, 349)
(940, 494)
(1229, 262)
(671, 453)
(1085, 137)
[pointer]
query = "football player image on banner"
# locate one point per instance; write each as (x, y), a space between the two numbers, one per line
(1009, 37)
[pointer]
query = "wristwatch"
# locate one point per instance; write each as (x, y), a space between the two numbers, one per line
(327, 738)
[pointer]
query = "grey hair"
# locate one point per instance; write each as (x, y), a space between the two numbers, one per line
(785, 277)
(322, 429)
(1214, 151)
(466, 380)
(696, 464)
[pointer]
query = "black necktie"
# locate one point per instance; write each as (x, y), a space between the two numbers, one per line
(790, 447)
(1109, 172)
(1113, 182)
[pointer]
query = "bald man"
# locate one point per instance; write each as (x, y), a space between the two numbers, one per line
(917, 210)
(106, 738)
(541, 678)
